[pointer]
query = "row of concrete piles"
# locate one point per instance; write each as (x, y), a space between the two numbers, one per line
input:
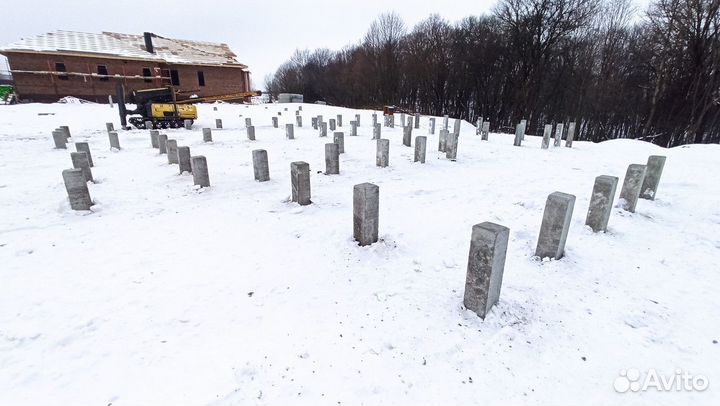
(299, 170)
(76, 179)
(447, 142)
(334, 149)
(180, 155)
(366, 195)
(548, 133)
(318, 123)
(198, 165)
(489, 241)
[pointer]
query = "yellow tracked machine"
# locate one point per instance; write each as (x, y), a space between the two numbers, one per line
(161, 107)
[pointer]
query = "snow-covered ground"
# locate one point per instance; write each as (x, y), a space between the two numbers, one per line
(234, 294)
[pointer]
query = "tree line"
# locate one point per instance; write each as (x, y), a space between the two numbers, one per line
(616, 73)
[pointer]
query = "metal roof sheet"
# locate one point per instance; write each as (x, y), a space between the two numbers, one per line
(128, 46)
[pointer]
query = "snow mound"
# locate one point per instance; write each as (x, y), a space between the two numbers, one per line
(74, 100)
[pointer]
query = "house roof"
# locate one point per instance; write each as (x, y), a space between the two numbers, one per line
(129, 46)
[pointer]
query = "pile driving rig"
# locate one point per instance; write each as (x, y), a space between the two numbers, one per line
(161, 107)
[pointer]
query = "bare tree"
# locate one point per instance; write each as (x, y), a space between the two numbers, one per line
(548, 61)
(382, 42)
(535, 28)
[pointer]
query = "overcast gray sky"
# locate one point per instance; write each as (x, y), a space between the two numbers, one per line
(262, 33)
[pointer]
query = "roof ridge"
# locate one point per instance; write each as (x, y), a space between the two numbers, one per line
(73, 31)
(171, 50)
(190, 40)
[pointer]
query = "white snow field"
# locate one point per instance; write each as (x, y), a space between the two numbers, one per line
(235, 295)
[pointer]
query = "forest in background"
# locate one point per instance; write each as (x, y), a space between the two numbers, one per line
(619, 73)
